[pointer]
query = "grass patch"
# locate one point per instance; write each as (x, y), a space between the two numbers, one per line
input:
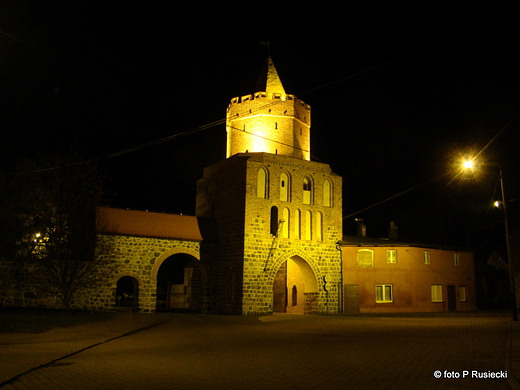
(28, 320)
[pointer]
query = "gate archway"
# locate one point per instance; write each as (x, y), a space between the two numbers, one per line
(179, 284)
(294, 283)
(127, 293)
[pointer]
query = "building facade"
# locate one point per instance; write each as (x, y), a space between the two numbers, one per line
(387, 276)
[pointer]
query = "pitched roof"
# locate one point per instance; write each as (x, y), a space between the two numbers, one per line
(147, 224)
(385, 242)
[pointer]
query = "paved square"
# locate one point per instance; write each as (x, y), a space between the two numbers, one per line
(290, 352)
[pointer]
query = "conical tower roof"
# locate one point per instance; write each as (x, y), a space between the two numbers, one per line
(269, 80)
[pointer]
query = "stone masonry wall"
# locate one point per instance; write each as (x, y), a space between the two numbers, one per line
(138, 257)
(264, 253)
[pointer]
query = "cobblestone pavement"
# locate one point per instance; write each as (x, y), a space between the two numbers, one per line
(274, 352)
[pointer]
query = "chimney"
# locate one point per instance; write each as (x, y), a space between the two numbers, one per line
(392, 234)
(361, 228)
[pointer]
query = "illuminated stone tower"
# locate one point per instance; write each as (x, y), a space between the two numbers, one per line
(274, 217)
(269, 120)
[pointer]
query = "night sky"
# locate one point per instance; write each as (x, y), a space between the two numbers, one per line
(396, 94)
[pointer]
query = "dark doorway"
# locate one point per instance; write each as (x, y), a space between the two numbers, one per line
(127, 293)
(452, 298)
(174, 283)
(280, 290)
(351, 298)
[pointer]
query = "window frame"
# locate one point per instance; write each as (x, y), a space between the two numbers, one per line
(436, 293)
(384, 288)
(427, 257)
(456, 259)
(359, 251)
(462, 293)
(391, 259)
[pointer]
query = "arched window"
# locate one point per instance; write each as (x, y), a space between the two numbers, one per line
(297, 224)
(308, 225)
(307, 190)
(285, 225)
(294, 295)
(274, 221)
(319, 226)
(284, 187)
(262, 184)
(327, 193)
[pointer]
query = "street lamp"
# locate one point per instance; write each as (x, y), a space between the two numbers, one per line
(470, 164)
(512, 280)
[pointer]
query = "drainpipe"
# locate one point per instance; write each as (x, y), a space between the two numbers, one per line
(340, 287)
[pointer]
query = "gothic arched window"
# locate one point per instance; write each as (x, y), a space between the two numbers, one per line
(307, 190)
(327, 193)
(262, 183)
(285, 226)
(274, 221)
(308, 225)
(297, 224)
(319, 226)
(285, 189)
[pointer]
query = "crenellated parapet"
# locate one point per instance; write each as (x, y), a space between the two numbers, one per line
(269, 120)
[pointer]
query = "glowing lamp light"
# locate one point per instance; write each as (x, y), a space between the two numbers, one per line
(497, 203)
(468, 164)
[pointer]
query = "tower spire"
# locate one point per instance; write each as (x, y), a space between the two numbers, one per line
(269, 81)
(269, 120)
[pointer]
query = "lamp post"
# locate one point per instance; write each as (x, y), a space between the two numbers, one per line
(469, 164)
(512, 280)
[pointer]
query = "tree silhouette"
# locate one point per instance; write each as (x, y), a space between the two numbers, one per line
(48, 215)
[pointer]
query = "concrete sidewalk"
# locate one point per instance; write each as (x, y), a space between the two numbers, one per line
(48, 347)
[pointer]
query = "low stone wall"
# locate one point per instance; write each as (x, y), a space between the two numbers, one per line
(137, 257)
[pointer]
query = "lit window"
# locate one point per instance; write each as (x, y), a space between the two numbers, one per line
(462, 293)
(384, 293)
(391, 256)
(284, 187)
(426, 257)
(456, 259)
(307, 186)
(436, 292)
(365, 258)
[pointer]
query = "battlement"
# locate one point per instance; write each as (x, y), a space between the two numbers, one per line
(263, 96)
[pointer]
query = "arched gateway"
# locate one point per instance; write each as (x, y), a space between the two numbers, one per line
(141, 243)
(294, 287)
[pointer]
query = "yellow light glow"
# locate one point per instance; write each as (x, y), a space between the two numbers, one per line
(468, 164)
(497, 203)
